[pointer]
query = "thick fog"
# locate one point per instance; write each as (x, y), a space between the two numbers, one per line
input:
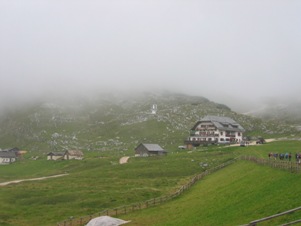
(234, 52)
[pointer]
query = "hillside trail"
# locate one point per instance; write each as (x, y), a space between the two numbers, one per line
(124, 160)
(32, 179)
(254, 142)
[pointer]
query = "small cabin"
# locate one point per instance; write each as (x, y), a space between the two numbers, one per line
(67, 155)
(73, 154)
(7, 157)
(145, 150)
(55, 155)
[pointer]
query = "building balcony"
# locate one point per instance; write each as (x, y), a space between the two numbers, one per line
(203, 135)
(230, 135)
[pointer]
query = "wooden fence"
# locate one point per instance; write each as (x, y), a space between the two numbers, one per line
(142, 205)
(292, 166)
(255, 222)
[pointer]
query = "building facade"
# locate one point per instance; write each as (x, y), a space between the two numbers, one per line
(215, 130)
(7, 157)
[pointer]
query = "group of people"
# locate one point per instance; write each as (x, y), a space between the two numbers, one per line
(282, 156)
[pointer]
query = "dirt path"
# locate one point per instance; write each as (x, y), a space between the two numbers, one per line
(254, 142)
(32, 179)
(124, 160)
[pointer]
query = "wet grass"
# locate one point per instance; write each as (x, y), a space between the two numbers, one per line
(94, 184)
(98, 182)
(236, 195)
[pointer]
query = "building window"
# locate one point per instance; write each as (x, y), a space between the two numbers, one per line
(222, 133)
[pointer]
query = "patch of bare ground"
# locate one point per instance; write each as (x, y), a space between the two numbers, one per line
(32, 179)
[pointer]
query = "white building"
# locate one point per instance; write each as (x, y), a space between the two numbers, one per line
(215, 129)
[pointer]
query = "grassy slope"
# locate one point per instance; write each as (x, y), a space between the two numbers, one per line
(95, 184)
(92, 185)
(236, 195)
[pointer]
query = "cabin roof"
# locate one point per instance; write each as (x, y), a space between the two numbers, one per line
(6, 154)
(152, 147)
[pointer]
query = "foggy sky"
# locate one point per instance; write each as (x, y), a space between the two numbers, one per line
(228, 51)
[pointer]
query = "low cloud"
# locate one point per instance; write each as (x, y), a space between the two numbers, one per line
(215, 49)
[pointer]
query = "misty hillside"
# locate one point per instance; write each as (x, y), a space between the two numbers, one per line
(289, 112)
(117, 122)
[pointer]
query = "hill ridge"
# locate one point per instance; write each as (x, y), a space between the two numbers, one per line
(118, 122)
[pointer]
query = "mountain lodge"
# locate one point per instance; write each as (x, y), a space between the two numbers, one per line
(215, 130)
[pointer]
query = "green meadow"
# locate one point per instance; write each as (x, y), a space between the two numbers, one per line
(235, 195)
